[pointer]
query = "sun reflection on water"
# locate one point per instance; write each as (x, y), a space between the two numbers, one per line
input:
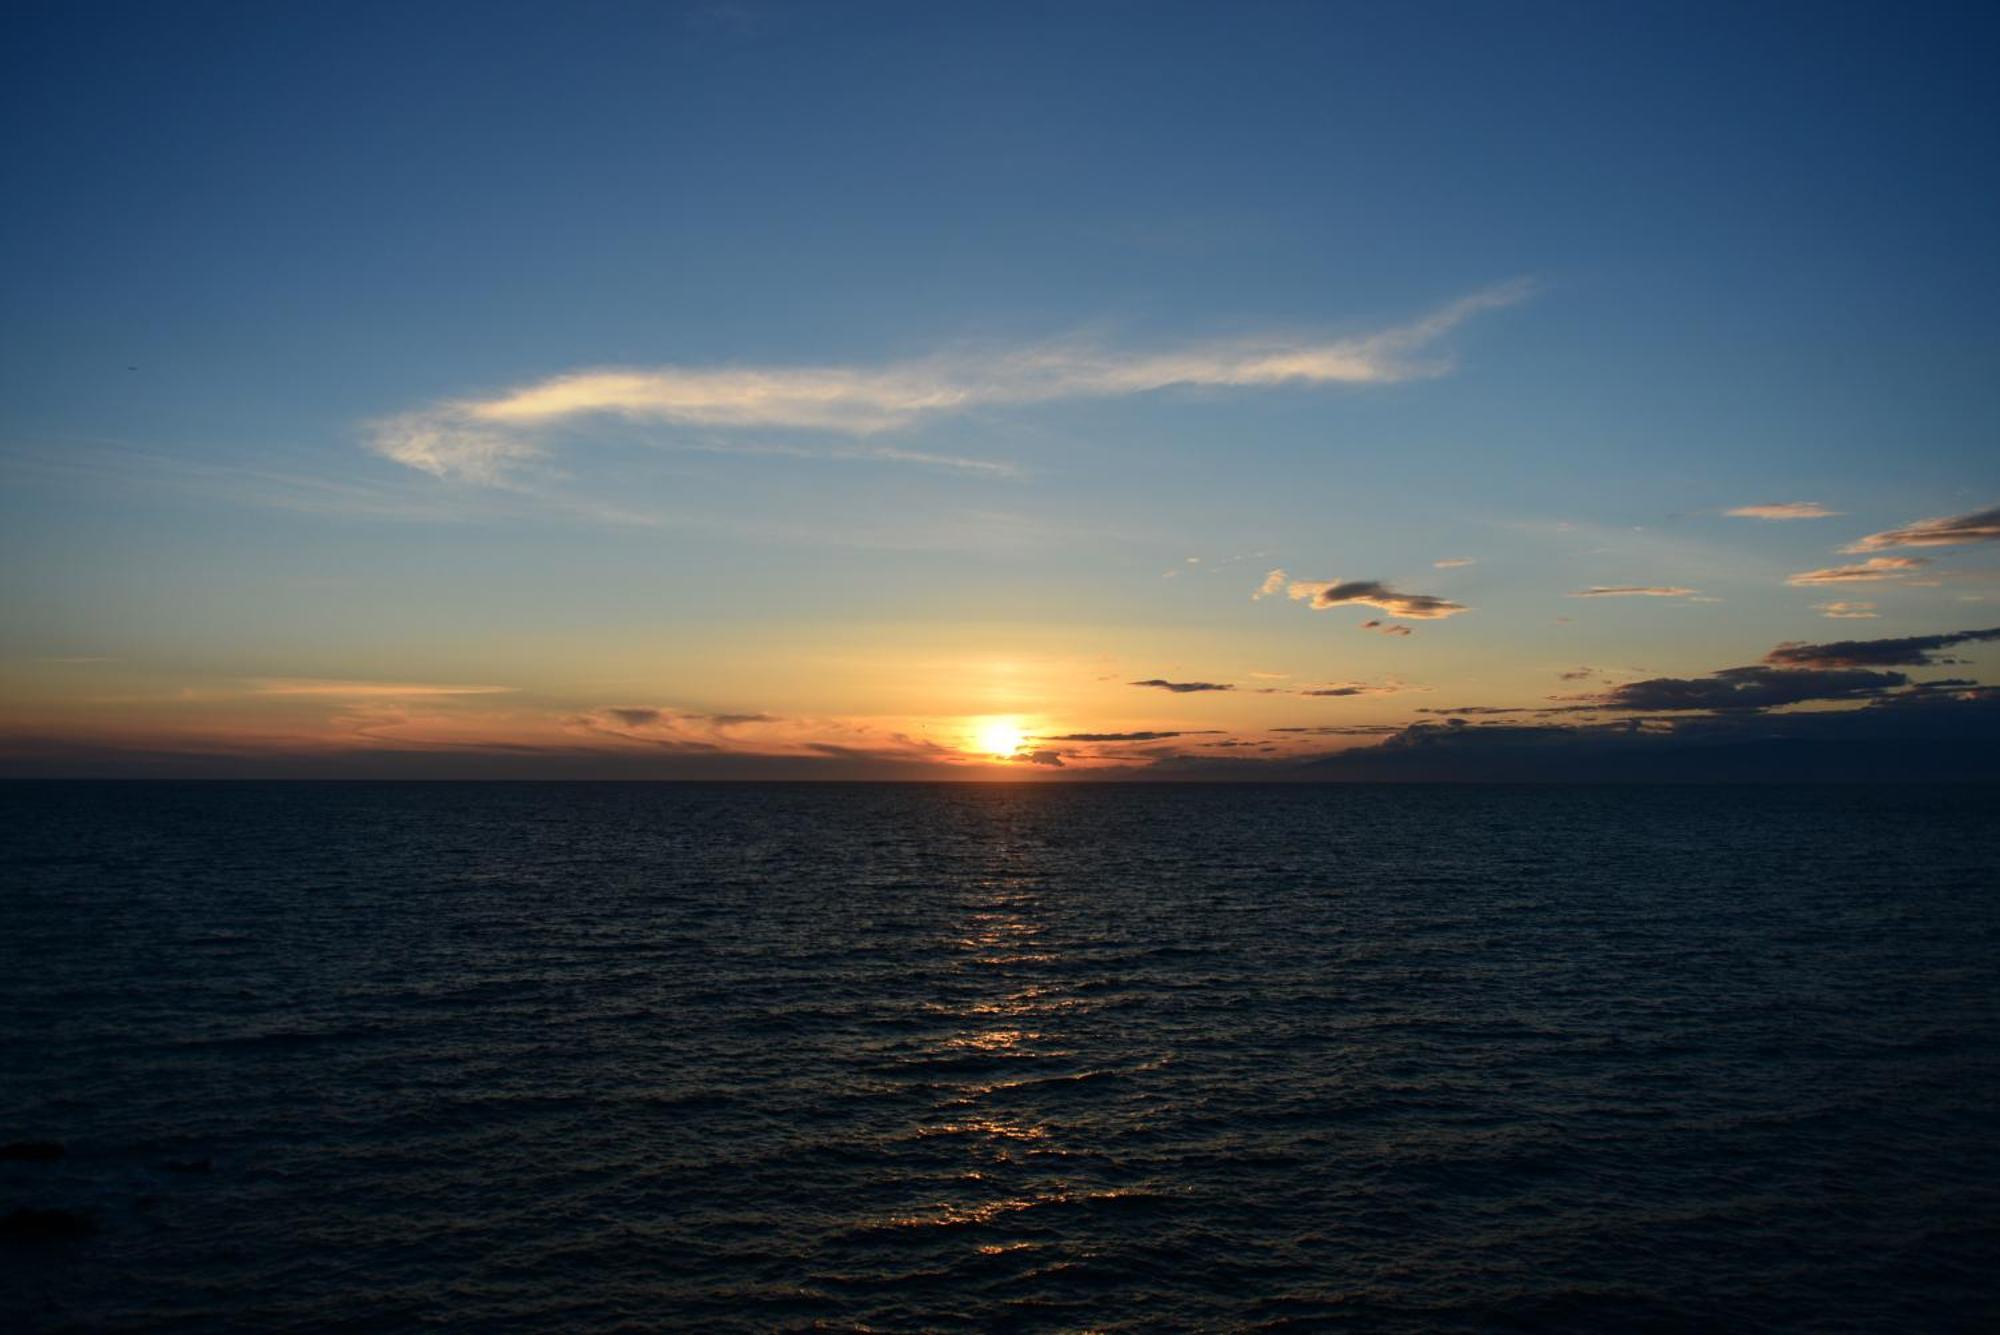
(1007, 1020)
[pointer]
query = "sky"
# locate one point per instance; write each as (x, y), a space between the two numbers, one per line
(996, 391)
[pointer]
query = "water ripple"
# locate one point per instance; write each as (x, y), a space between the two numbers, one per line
(911, 1057)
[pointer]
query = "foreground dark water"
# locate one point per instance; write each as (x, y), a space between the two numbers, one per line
(970, 1057)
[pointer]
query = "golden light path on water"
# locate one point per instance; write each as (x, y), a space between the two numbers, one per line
(1013, 1021)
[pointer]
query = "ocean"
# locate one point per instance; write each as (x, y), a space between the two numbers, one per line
(756, 1057)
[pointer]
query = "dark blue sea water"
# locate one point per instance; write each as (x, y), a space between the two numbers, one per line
(899, 1058)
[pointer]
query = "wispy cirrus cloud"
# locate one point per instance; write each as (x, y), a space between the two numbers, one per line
(1344, 730)
(1944, 531)
(1872, 571)
(303, 491)
(1454, 562)
(854, 454)
(1322, 594)
(1124, 736)
(1635, 591)
(361, 690)
(1848, 611)
(1783, 510)
(1338, 689)
(1344, 690)
(492, 438)
(1479, 711)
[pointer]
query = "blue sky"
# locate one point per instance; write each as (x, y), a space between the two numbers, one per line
(1745, 256)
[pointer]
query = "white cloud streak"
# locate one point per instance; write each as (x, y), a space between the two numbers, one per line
(492, 438)
(856, 453)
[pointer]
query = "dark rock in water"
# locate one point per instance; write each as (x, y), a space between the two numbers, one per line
(38, 1224)
(32, 1151)
(201, 1165)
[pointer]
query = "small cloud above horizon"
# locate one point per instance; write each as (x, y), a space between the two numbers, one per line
(1322, 594)
(1873, 570)
(1783, 510)
(1354, 688)
(1944, 531)
(1635, 591)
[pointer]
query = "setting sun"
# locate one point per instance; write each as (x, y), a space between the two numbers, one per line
(998, 736)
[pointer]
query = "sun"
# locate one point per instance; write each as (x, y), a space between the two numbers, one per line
(998, 736)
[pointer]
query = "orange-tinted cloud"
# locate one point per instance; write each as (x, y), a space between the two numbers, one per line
(1783, 510)
(1873, 570)
(1944, 531)
(1634, 591)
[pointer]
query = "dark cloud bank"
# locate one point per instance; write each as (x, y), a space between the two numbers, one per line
(1750, 688)
(1929, 737)
(1721, 727)
(1909, 651)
